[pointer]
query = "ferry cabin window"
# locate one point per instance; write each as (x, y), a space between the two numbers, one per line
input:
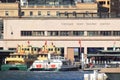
(101, 2)
(39, 13)
(11, 48)
(74, 13)
(57, 13)
(108, 2)
(1, 48)
(112, 48)
(64, 63)
(66, 13)
(6, 13)
(31, 13)
(22, 13)
(48, 13)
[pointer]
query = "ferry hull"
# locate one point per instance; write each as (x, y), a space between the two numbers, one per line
(43, 69)
(69, 69)
(6, 67)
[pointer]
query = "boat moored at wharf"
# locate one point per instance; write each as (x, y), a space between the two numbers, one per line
(112, 73)
(50, 60)
(104, 58)
(21, 59)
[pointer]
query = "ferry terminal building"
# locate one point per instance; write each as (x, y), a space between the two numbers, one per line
(73, 36)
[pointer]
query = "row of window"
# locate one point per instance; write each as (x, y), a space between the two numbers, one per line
(70, 33)
(48, 13)
(104, 2)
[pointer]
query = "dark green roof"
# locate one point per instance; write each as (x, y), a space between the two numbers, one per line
(90, 55)
(111, 51)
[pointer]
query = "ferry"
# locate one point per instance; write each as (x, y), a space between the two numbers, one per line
(105, 58)
(52, 63)
(112, 73)
(22, 59)
(50, 60)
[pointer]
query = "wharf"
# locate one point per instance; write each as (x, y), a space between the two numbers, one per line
(112, 73)
(110, 70)
(92, 69)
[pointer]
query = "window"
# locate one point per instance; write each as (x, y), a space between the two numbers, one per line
(32, 33)
(39, 13)
(66, 13)
(102, 2)
(74, 13)
(52, 33)
(48, 13)
(22, 13)
(26, 33)
(116, 33)
(1, 48)
(57, 13)
(6, 13)
(105, 33)
(78, 33)
(31, 13)
(11, 48)
(64, 33)
(38, 33)
(108, 2)
(92, 33)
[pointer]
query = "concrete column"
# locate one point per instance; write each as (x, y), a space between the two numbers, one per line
(5, 45)
(85, 50)
(105, 48)
(85, 33)
(45, 33)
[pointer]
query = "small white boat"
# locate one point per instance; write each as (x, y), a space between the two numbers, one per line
(53, 63)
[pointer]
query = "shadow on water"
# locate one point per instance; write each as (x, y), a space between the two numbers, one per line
(38, 75)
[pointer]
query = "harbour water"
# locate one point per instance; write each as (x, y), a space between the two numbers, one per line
(37, 75)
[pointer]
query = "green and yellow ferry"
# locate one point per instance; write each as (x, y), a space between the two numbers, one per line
(22, 59)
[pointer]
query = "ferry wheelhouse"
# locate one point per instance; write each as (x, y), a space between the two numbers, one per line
(22, 59)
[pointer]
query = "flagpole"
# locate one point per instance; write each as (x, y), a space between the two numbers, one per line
(82, 56)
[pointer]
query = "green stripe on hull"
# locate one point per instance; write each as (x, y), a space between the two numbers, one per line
(7, 67)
